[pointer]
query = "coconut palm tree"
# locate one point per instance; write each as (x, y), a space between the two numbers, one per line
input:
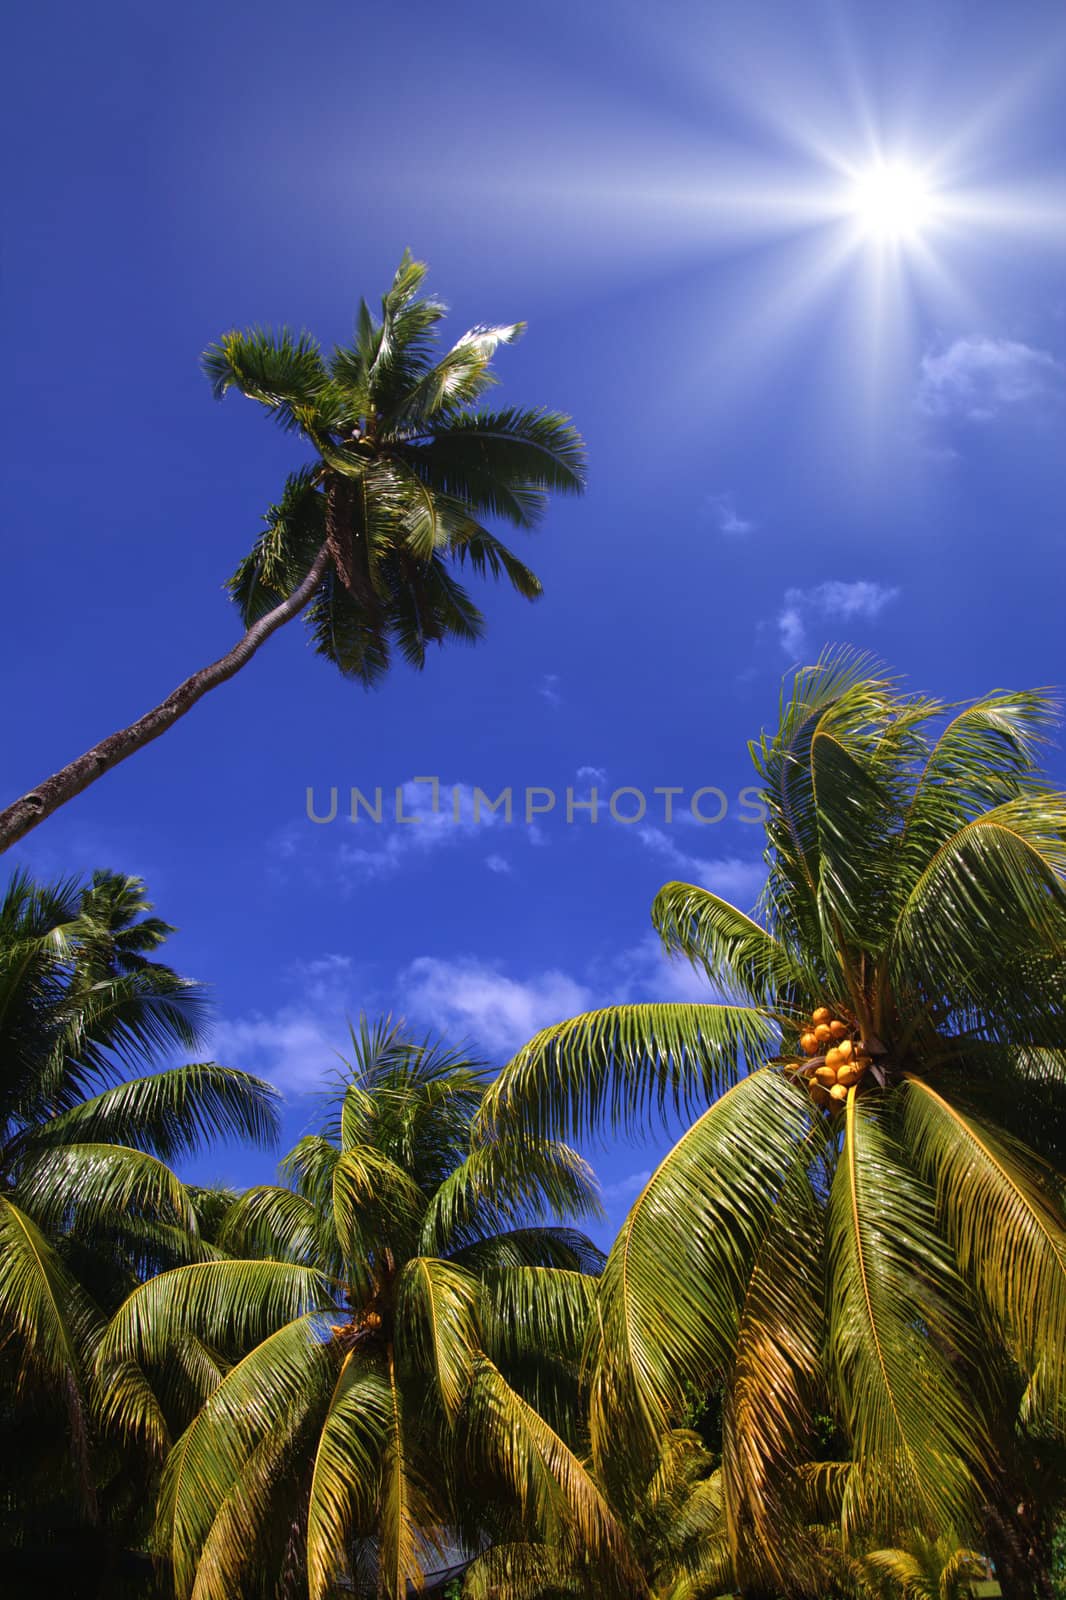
(868, 1217)
(87, 1202)
(397, 1333)
(365, 539)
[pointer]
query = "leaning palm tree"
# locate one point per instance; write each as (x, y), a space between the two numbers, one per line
(88, 1204)
(396, 1332)
(868, 1217)
(406, 468)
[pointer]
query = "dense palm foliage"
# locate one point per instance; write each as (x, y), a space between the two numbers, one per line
(896, 1254)
(407, 468)
(674, 1525)
(395, 1336)
(87, 1205)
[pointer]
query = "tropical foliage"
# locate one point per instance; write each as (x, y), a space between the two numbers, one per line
(396, 1335)
(825, 1356)
(896, 1253)
(88, 1205)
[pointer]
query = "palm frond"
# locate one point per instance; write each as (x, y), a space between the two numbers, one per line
(916, 1426)
(614, 1068)
(1005, 1218)
(674, 1286)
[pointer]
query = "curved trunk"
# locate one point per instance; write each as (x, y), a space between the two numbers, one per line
(24, 814)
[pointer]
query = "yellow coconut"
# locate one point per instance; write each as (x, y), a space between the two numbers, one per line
(838, 1029)
(821, 1015)
(825, 1073)
(849, 1073)
(844, 1049)
(809, 1044)
(838, 1092)
(821, 1032)
(833, 1057)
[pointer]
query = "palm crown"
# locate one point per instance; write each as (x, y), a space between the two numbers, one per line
(898, 1250)
(407, 469)
(87, 1204)
(397, 1335)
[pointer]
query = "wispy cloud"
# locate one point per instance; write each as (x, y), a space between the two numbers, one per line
(593, 774)
(298, 1044)
(732, 877)
(469, 997)
(727, 518)
(498, 864)
(833, 603)
(978, 377)
(549, 689)
(386, 846)
(626, 1188)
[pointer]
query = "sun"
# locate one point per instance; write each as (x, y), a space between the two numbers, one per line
(890, 201)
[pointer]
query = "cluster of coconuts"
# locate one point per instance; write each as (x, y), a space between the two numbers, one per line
(836, 1058)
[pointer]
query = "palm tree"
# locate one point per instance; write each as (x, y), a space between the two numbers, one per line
(397, 1333)
(868, 1216)
(87, 1203)
(363, 541)
(931, 1570)
(675, 1525)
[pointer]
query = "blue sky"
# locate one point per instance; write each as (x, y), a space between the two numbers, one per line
(797, 434)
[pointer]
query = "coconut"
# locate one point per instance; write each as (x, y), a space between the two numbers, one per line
(838, 1092)
(820, 1096)
(850, 1073)
(838, 1029)
(833, 1057)
(809, 1044)
(821, 1032)
(825, 1073)
(844, 1049)
(821, 1015)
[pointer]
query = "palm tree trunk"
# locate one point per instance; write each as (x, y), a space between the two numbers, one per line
(23, 815)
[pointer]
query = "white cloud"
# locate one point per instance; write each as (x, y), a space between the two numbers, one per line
(597, 774)
(297, 1045)
(978, 377)
(833, 603)
(467, 996)
(498, 864)
(724, 511)
(732, 877)
(549, 690)
(461, 813)
(625, 1188)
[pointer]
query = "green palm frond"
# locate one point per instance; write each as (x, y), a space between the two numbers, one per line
(283, 371)
(916, 1425)
(552, 1489)
(545, 1309)
(230, 1304)
(674, 1285)
(54, 1322)
(286, 1374)
(97, 1185)
(346, 1470)
(437, 1326)
(731, 947)
(612, 1068)
(771, 1392)
(1005, 1217)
